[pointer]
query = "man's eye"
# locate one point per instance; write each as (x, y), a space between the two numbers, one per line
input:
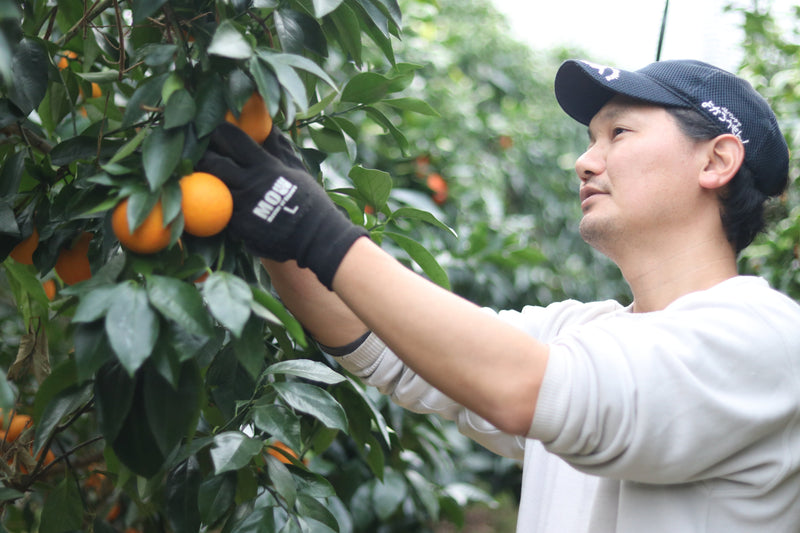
(617, 131)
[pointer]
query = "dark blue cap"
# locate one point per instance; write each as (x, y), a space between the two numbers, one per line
(729, 102)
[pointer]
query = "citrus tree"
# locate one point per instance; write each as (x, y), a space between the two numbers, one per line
(771, 63)
(154, 383)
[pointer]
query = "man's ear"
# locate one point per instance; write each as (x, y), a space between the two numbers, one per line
(725, 157)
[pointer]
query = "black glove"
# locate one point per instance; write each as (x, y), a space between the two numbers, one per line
(279, 210)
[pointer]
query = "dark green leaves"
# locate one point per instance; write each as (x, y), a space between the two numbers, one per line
(229, 299)
(30, 75)
(132, 326)
(314, 401)
(233, 450)
(179, 301)
(161, 152)
(229, 42)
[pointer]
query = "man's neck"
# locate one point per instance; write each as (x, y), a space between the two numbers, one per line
(661, 278)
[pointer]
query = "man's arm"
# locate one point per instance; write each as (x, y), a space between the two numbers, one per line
(475, 358)
(322, 312)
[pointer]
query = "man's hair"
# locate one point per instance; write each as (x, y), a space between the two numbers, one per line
(741, 203)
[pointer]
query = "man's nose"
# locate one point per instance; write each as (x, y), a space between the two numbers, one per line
(590, 163)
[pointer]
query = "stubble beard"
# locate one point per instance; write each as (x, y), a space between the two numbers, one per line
(599, 234)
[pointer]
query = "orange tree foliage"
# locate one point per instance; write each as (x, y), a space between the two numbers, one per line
(162, 397)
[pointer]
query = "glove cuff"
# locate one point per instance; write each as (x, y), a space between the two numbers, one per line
(326, 247)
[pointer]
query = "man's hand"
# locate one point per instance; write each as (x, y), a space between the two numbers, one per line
(279, 210)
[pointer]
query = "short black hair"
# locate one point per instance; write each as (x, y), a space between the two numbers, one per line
(741, 203)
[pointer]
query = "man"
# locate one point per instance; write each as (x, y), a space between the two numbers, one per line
(676, 413)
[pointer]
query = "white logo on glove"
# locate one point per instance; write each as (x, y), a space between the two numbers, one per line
(601, 69)
(275, 200)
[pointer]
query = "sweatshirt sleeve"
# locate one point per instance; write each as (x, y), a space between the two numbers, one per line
(376, 365)
(689, 393)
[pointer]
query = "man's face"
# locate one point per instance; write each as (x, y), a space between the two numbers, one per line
(639, 179)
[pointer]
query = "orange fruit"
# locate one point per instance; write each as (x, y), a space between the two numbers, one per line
(438, 186)
(72, 265)
(16, 426)
(49, 286)
(207, 204)
(281, 455)
(254, 119)
(114, 512)
(23, 252)
(96, 91)
(63, 62)
(150, 237)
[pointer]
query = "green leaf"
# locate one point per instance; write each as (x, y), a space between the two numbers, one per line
(131, 326)
(30, 66)
(229, 42)
(380, 422)
(307, 369)
(161, 153)
(250, 347)
(389, 494)
(323, 7)
(348, 28)
(380, 118)
(91, 349)
(310, 508)
(229, 299)
(9, 494)
(288, 79)
(412, 104)
(94, 304)
(216, 496)
(366, 88)
(181, 494)
(135, 445)
(373, 185)
(425, 216)
(297, 61)
(113, 390)
(180, 109)
(423, 258)
(63, 508)
(279, 422)
(129, 147)
(144, 8)
(277, 309)
(233, 450)
(259, 520)
(313, 401)
(181, 302)
(282, 480)
(11, 173)
(82, 148)
(63, 404)
(172, 412)
(148, 94)
(211, 107)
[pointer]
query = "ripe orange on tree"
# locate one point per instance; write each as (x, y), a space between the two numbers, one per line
(49, 286)
(207, 204)
(23, 252)
(438, 186)
(254, 118)
(72, 265)
(150, 237)
(17, 423)
(282, 454)
(63, 62)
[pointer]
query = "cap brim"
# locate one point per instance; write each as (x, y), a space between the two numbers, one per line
(583, 88)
